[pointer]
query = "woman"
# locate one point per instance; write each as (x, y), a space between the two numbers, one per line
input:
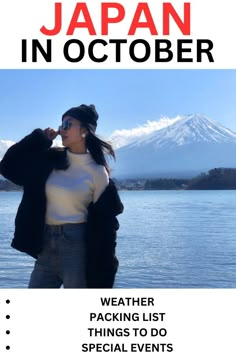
(67, 216)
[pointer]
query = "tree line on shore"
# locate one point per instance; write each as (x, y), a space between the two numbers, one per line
(217, 178)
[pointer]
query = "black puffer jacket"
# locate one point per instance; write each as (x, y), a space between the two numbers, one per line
(28, 163)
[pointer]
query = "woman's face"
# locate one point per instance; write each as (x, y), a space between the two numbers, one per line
(72, 136)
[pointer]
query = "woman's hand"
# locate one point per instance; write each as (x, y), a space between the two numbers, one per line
(51, 133)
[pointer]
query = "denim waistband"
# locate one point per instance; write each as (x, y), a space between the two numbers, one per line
(64, 227)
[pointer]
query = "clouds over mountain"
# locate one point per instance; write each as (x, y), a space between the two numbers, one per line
(124, 137)
(182, 146)
(191, 145)
(119, 138)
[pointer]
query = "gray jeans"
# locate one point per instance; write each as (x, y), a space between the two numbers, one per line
(62, 260)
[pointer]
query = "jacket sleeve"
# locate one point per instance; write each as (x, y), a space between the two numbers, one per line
(102, 263)
(21, 157)
(102, 226)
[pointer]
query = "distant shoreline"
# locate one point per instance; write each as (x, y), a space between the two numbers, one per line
(215, 179)
(11, 190)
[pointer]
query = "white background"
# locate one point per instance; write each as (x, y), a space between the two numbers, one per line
(56, 321)
(23, 20)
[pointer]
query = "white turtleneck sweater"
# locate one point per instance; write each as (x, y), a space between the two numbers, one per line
(70, 191)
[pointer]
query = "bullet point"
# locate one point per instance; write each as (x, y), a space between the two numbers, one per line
(8, 332)
(8, 301)
(7, 347)
(7, 317)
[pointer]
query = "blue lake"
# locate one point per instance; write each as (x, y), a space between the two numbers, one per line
(167, 239)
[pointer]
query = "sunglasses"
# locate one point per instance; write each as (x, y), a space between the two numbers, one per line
(65, 125)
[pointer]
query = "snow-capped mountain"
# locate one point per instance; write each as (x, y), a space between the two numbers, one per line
(189, 146)
(180, 147)
(124, 137)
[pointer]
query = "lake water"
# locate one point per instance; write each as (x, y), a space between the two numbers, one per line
(167, 239)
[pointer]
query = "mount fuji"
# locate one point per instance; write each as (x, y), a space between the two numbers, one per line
(191, 145)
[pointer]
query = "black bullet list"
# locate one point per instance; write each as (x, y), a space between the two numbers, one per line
(7, 331)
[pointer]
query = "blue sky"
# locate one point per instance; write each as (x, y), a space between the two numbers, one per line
(124, 99)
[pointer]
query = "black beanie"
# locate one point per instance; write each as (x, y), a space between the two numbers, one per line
(85, 114)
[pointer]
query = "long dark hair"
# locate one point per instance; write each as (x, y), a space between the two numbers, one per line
(98, 148)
